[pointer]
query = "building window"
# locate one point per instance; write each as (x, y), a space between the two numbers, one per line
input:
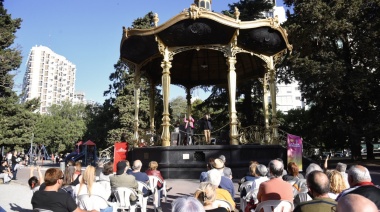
(298, 107)
(288, 91)
(298, 98)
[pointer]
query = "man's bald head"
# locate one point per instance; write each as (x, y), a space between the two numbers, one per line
(358, 174)
(276, 168)
(137, 164)
(355, 203)
(318, 183)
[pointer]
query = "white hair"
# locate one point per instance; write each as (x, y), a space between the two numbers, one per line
(187, 204)
(359, 174)
(312, 167)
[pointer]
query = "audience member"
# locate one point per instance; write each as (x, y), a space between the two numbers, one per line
(90, 187)
(251, 177)
(337, 184)
(140, 176)
(5, 172)
(261, 172)
(356, 203)
(319, 186)
(106, 172)
(187, 204)
(68, 179)
(360, 183)
(35, 182)
(214, 177)
(209, 165)
(226, 171)
(225, 183)
(121, 179)
(77, 174)
(99, 169)
(14, 163)
(50, 198)
(293, 173)
(312, 167)
(341, 168)
(275, 188)
(129, 169)
(206, 194)
(152, 171)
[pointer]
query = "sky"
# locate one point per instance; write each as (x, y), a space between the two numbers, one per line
(88, 34)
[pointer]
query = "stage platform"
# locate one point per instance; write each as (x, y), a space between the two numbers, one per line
(187, 162)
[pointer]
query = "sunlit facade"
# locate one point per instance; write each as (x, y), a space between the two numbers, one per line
(48, 76)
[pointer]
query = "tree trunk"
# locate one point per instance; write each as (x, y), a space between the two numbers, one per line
(369, 146)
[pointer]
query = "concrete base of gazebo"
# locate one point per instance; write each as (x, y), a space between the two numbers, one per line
(187, 162)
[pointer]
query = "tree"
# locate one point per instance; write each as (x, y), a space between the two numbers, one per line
(121, 106)
(179, 107)
(62, 127)
(335, 59)
(16, 120)
(249, 9)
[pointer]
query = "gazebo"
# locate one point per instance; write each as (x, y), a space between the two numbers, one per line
(199, 47)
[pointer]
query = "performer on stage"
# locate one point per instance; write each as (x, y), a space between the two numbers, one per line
(205, 124)
(189, 126)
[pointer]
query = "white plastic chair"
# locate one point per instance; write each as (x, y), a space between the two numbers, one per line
(143, 201)
(275, 206)
(93, 202)
(223, 203)
(157, 193)
(107, 186)
(247, 185)
(122, 195)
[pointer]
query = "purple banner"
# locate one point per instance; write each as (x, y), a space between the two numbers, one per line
(295, 150)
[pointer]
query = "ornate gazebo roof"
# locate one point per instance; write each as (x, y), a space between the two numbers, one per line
(199, 41)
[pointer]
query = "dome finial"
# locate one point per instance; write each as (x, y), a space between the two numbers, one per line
(205, 4)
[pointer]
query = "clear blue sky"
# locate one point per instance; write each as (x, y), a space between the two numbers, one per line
(88, 33)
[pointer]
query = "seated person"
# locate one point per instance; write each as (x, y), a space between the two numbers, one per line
(5, 172)
(206, 194)
(121, 179)
(35, 182)
(50, 198)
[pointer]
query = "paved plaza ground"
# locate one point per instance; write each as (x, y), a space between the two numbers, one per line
(16, 196)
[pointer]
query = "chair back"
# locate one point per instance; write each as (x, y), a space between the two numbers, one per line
(246, 186)
(106, 185)
(93, 202)
(275, 206)
(223, 203)
(122, 195)
(153, 181)
(143, 201)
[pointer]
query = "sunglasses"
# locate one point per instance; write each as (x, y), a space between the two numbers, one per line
(63, 176)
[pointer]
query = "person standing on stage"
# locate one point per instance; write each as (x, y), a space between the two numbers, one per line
(205, 124)
(189, 126)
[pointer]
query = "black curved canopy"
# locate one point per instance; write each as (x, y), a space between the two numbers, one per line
(201, 63)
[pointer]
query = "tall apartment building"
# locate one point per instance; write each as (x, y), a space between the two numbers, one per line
(49, 76)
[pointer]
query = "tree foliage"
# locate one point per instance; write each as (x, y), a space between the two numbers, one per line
(249, 9)
(336, 60)
(62, 127)
(16, 120)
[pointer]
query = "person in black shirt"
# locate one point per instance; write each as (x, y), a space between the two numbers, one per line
(205, 124)
(50, 198)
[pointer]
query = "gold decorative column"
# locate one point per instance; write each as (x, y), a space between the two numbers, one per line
(272, 84)
(266, 109)
(152, 105)
(166, 65)
(188, 98)
(232, 100)
(137, 80)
